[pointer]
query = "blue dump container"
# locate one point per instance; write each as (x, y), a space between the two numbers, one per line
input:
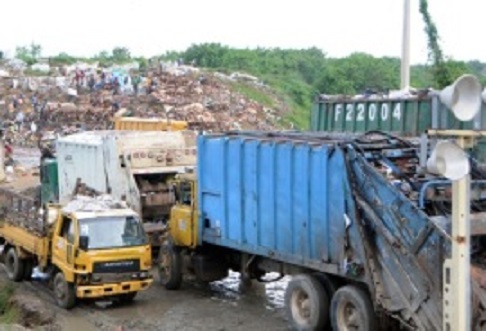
(274, 198)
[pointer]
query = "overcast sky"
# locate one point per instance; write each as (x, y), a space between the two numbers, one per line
(150, 27)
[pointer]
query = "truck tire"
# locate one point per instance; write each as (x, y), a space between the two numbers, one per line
(28, 269)
(170, 266)
(64, 292)
(306, 303)
(329, 283)
(352, 309)
(14, 265)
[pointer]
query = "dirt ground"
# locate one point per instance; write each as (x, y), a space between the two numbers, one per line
(220, 306)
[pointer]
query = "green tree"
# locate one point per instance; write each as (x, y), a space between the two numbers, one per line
(440, 69)
(62, 59)
(121, 55)
(209, 55)
(29, 54)
(358, 72)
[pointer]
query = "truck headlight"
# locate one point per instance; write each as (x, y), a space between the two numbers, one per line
(144, 274)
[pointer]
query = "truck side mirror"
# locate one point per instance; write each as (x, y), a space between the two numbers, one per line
(83, 242)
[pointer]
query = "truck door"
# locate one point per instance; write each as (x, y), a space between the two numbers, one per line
(182, 226)
(64, 242)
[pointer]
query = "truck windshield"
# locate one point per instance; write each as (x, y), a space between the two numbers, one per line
(112, 232)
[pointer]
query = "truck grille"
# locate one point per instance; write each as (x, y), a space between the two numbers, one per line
(111, 277)
(117, 266)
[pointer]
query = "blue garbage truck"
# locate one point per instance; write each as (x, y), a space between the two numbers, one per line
(362, 229)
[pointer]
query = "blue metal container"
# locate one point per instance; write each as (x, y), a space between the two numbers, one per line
(279, 199)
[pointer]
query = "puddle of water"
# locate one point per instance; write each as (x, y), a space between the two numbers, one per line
(229, 290)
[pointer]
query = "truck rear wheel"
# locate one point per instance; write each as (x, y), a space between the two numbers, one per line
(64, 292)
(307, 303)
(170, 266)
(14, 265)
(352, 309)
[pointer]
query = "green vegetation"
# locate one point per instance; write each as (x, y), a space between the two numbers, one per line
(295, 75)
(253, 93)
(443, 73)
(29, 54)
(8, 313)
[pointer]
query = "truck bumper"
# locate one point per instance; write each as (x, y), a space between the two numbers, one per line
(108, 290)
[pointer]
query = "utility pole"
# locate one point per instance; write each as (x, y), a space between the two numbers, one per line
(2, 160)
(405, 69)
(461, 242)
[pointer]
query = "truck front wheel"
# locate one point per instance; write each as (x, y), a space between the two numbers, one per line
(352, 309)
(64, 292)
(14, 265)
(307, 303)
(170, 266)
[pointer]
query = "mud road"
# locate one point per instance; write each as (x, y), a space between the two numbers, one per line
(218, 306)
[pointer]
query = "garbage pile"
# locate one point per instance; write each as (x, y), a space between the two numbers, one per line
(87, 97)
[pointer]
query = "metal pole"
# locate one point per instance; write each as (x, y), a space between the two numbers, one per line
(461, 264)
(405, 68)
(2, 161)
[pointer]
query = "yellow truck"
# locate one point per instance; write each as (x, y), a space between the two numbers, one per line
(92, 247)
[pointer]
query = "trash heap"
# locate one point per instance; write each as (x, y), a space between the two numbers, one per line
(75, 98)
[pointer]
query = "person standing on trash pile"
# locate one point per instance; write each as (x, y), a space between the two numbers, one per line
(135, 82)
(149, 84)
(116, 86)
(15, 102)
(43, 112)
(91, 82)
(8, 152)
(34, 100)
(79, 77)
(19, 120)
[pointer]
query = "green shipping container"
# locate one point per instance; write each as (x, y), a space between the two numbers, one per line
(408, 117)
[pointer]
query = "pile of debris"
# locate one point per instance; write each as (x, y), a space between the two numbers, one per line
(89, 100)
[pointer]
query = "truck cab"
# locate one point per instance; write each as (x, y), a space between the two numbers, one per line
(101, 253)
(94, 247)
(182, 231)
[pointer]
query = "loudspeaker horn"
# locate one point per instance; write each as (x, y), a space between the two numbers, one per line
(448, 160)
(463, 97)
